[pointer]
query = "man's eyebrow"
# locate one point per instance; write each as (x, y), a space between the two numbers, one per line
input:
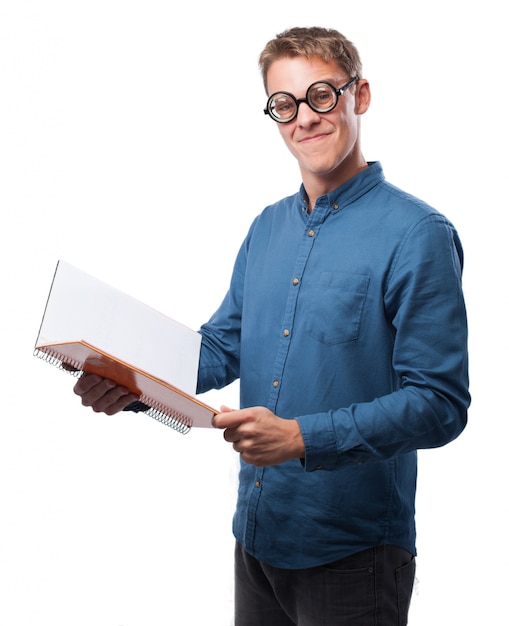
(330, 80)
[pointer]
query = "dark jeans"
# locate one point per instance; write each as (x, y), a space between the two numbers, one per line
(371, 588)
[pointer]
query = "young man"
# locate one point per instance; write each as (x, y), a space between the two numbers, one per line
(345, 322)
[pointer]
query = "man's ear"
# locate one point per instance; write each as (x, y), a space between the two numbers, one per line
(362, 96)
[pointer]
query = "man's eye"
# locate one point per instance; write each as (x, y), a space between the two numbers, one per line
(321, 97)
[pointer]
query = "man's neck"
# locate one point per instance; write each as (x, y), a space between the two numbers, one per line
(317, 186)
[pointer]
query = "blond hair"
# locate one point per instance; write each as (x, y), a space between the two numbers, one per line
(328, 44)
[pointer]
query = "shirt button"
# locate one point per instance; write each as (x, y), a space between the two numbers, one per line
(258, 483)
(275, 383)
(295, 281)
(311, 233)
(335, 206)
(286, 332)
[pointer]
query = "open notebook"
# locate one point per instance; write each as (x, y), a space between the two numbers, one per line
(89, 326)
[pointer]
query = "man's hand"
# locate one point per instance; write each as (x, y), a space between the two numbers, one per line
(102, 394)
(259, 436)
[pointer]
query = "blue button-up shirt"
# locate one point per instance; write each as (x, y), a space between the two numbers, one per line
(350, 320)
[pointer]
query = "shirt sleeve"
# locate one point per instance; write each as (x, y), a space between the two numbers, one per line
(428, 408)
(220, 348)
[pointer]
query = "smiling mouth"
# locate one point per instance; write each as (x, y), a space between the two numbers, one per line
(313, 138)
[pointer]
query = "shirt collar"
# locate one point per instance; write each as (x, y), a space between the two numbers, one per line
(350, 191)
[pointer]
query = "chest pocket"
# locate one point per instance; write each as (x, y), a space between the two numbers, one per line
(334, 309)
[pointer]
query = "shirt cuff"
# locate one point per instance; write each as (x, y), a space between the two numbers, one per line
(321, 447)
(136, 406)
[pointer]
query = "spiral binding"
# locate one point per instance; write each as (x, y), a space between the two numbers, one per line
(173, 419)
(53, 358)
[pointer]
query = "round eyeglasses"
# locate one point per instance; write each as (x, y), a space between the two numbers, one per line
(322, 97)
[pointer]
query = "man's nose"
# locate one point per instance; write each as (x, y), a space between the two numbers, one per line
(305, 114)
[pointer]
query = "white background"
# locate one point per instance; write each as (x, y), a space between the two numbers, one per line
(120, 153)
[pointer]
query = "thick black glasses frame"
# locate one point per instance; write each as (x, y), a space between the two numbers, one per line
(339, 92)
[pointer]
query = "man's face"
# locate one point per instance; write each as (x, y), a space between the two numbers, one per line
(326, 145)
